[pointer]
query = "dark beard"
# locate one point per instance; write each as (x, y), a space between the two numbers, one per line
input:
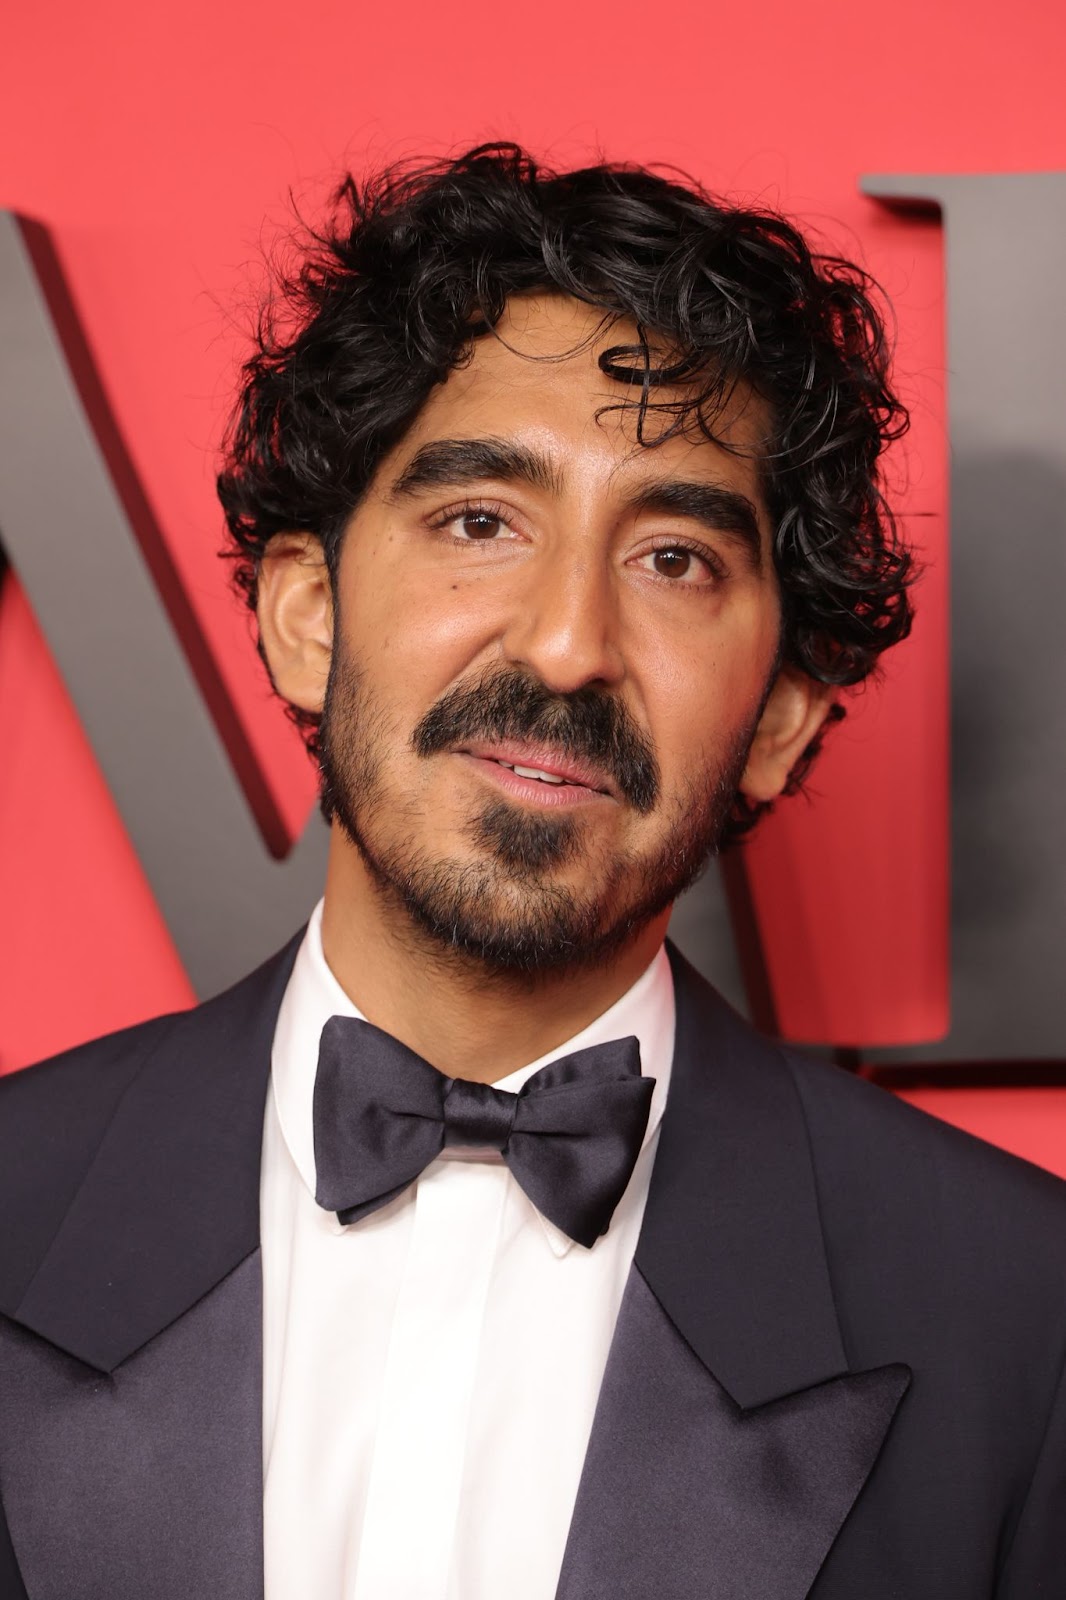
(504, 913)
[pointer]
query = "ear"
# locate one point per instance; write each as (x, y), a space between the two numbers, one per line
(793, 714)
(295, 613)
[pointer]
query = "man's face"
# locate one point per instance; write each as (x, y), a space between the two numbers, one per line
(551, 650)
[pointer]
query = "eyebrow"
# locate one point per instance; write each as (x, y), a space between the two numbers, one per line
(462, 461)
(455, 463)
(717, 508)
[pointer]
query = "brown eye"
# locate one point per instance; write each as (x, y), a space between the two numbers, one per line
(481, 525)
(672, 563)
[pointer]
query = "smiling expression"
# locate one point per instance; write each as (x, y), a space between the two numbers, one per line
(552, 649)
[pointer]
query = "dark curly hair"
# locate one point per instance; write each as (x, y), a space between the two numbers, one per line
(416, 263)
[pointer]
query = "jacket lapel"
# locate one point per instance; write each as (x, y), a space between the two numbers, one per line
(730, 1440)
(146, 1480)
(131, 1401)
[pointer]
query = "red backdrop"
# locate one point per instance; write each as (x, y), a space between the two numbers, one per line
(154, 142)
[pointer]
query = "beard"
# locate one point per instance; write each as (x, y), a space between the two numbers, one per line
(505, 910)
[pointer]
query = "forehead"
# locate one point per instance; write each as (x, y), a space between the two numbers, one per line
(537, 379)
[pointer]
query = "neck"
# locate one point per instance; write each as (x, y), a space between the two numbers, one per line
(468, 1023)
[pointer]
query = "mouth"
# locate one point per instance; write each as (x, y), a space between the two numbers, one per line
(538, 774)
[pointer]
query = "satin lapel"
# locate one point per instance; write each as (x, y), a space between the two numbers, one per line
(730, 1440)
(130, 1368)
(732, 1243)
(170, 1203)
(684, 1496)
(147, 1480)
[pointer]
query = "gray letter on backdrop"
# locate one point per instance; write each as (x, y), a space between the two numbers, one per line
(1005, 239)
(82, 540)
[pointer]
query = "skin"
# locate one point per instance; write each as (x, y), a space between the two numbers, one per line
(574, 583)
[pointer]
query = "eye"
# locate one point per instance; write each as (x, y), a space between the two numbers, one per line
(478, 524)
(474, 524)
(672, 563)
(679, 564)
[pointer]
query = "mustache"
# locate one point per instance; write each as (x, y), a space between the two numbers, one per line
(586, 725)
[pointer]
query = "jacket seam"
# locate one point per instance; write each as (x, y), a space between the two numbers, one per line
(816, 1179)
(1056, 1395)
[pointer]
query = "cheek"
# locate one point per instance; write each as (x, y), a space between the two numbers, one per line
(414, 633)
(698, 699)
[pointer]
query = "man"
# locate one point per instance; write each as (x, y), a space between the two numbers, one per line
(473, 1247)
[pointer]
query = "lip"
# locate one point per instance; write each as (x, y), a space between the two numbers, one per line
(579, 781)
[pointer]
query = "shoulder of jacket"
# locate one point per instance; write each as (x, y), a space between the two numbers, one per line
(90, 1077)
(77, 1080)
(875, 1151)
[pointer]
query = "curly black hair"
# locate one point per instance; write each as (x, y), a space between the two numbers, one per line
(419, 261)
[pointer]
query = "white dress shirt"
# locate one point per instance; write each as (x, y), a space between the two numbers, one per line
(431, 1371)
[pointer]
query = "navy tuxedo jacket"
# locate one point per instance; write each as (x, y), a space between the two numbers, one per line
(837, 1370)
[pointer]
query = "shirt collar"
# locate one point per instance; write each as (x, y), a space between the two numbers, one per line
(313, 996)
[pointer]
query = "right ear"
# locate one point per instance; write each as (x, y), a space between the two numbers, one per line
(295, 614)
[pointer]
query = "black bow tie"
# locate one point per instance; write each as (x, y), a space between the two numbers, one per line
(570, 1136)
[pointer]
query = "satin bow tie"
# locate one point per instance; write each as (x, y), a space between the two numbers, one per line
(570, 1136)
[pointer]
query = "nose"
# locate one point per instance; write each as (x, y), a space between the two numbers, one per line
(565, 626)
